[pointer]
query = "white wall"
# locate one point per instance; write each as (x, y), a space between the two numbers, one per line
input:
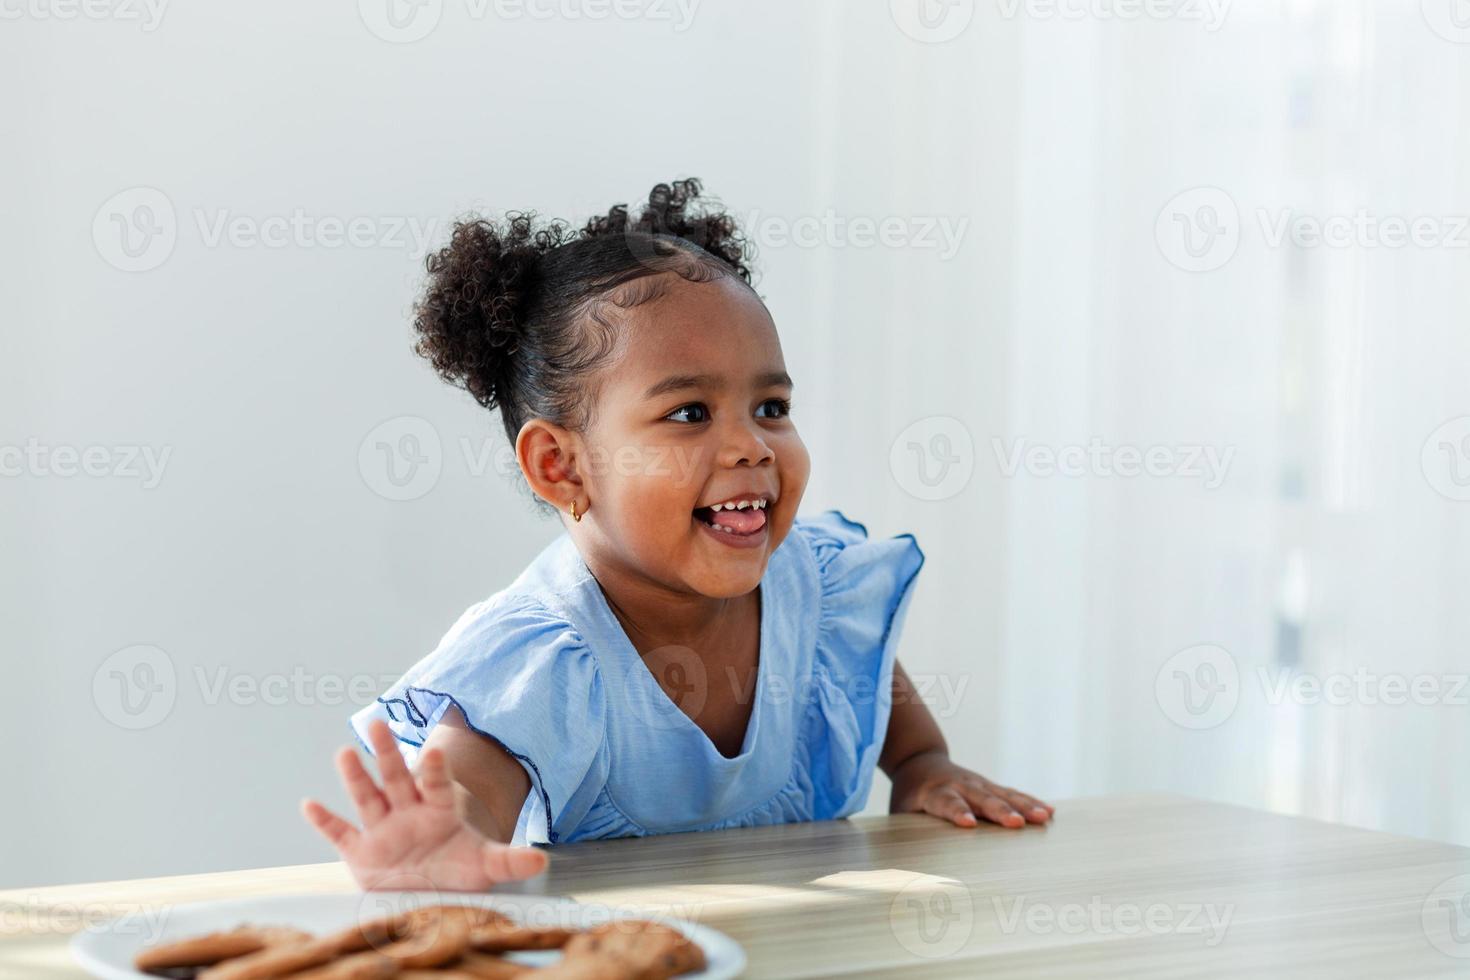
(1052, 603)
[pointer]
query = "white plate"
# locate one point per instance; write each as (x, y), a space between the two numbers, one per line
(107, 950)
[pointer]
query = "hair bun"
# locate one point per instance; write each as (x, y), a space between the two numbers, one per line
(482, 285)
(676, 209)
(503, 313)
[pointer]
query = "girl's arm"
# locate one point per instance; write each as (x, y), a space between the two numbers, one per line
(916, 758)
(490, 785)
(912, 730)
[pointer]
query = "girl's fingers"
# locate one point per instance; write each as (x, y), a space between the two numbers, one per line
(506, 863)
(1031, 808)
(948, 804)
(996, 810)
(433, 776)
(398, 784)
(339, 832)
(371, 806)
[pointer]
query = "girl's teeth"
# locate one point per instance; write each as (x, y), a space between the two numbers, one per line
(740, 505)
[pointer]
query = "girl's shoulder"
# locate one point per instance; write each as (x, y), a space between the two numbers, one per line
(843, 554)
(864, 585)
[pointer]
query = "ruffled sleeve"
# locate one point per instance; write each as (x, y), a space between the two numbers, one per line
(524, 678)
(866, 586)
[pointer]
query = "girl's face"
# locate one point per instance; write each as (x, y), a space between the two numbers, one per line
(693, 412)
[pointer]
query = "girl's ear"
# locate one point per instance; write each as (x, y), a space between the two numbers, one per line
(547, 454)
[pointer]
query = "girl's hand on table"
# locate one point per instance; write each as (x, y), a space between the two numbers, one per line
(930, 783)
(412, 828)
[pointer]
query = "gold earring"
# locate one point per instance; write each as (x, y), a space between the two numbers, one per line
(576, 516)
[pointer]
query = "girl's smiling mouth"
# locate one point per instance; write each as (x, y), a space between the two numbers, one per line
(739, 522)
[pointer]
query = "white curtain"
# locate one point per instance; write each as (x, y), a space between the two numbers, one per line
(1297, 545)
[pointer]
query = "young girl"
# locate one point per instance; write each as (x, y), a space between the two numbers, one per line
(689, 655)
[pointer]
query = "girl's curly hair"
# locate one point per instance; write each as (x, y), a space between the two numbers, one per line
(517, 314)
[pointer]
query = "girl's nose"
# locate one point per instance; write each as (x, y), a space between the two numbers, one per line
(744, 444)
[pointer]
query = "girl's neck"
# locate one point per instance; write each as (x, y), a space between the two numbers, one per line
(655, 616)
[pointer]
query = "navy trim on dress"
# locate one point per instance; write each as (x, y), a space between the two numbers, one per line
(411, 709)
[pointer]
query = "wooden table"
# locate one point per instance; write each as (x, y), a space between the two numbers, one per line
(1120, 887)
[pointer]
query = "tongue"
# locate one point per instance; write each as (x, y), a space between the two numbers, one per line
(740, 521)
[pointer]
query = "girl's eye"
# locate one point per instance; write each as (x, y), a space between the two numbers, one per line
(689, 413)
(774, 408)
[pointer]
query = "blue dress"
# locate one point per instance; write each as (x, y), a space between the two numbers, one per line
(544, 668)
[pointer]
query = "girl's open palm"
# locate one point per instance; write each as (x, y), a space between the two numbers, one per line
(412, 831)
